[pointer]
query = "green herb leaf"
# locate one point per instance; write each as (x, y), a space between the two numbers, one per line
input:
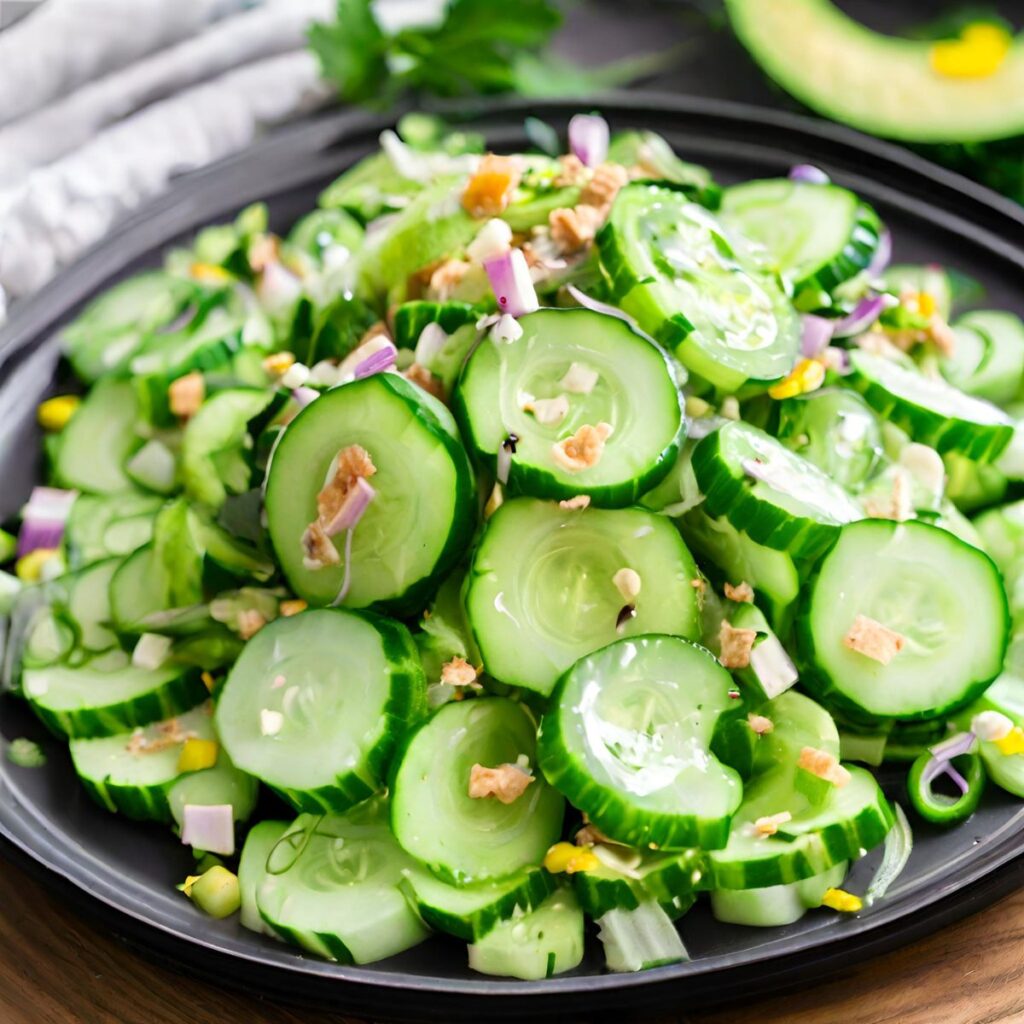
(353, 52)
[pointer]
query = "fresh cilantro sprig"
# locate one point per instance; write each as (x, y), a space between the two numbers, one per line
(478, 47)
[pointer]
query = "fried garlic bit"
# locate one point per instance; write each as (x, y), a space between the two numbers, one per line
(873, 640)
(736, 645)
(506, 783)
(584, 449)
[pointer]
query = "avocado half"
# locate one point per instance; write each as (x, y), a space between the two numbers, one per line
(874, 82)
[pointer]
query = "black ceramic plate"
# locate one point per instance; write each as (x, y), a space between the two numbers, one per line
(125, 873)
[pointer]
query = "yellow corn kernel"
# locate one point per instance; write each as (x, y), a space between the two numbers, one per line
(210, 273)
(1012, 742)
(808, 375)
(277, 363)
(54, 413)
(197, 754)
(288, 608)
(978, 53)
(841, 900)
(189, 882)
(208, 681)
(565, 857)
(29, 568)
(926, 304)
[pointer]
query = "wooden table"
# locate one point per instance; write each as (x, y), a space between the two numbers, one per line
(55, 968)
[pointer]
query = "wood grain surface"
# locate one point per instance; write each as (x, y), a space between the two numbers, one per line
(56, 968)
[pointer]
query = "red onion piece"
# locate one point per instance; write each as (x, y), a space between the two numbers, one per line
(382, 359)
(513, 287)
(816, 336)
(883, 254)
(954, 746)
(597, 306)
(809, 174)
(588, 138)
(43, 519)
(865, 313)
(352, 508)
(209, 827)
(303, 396)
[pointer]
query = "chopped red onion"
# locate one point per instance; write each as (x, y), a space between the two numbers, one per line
(209, 827)
(816, 336)
(941, 762)
(864, 314)
(43, 519)
(883, 254)
(383, 358)
(588, 138)
(809, 174)
(513, 287)
(303, 396)
(352, 508)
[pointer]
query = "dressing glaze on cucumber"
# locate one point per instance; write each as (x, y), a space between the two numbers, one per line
(515, 525)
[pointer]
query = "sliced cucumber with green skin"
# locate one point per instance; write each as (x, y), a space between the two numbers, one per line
(627, 877)
(629, 743)
(973, 485)
(981, 367)
(640, 939)
(108, 695)
(818, 235)
(411, 318)
(650, 151)
(469, 912)
(100, 526)
(98, 439)
(112, 327)
(938, 808)
(223, 784)
(770, 672)
(931, 411)
(541, 591)
(463, 839)
(422, 517)
(698, 289)
(138, 589)
(836, 430)
(545, 942)
(332, 888)
(942, 596)
(121, 775)
(215, 445)
(771, 573)
(252, 870)
(775, 905)
(502, 379)
(776, 497)
(321, 230)
(370, 188)
(854, 818)
(317, 702)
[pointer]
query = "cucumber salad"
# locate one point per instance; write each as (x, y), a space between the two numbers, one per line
(527, 538)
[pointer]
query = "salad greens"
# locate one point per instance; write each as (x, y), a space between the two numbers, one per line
(550, 533)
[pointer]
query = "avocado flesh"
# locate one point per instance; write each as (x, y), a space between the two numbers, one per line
(877, 83)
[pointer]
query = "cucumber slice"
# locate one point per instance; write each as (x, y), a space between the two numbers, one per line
(988, 361)
(640, 939)
(215, 445)
(630, 747)
(252, 870)
(501, 378)
(99, 439)
(626, 878)
(411, 318)
(770, 672)
(929, 277)
(775, 905)
(853, 819)
(541, 944)
(100, 526)
(108, 695)
(818, 235)
(469, 912)
(370, 188)
(316, 703)
(323, 230)
(541, 590)
(332, 888)
(462, 839)
(698, 289)
(421, 520)
(771, 573)
(137, 589)
(778, 498)
(931, 411)
(650, 152)
(222, 784)
(836, 430)
(121, 775)
(942, 595)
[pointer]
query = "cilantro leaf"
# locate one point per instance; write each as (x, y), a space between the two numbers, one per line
(352, 51)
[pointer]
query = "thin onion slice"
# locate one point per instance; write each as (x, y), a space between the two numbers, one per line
(864, 314)
(899, 843)
(883, 254)
(352, 508)
(597, 306)
(588, 138)
(808, 174)
(817, 333)
(303, 396)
